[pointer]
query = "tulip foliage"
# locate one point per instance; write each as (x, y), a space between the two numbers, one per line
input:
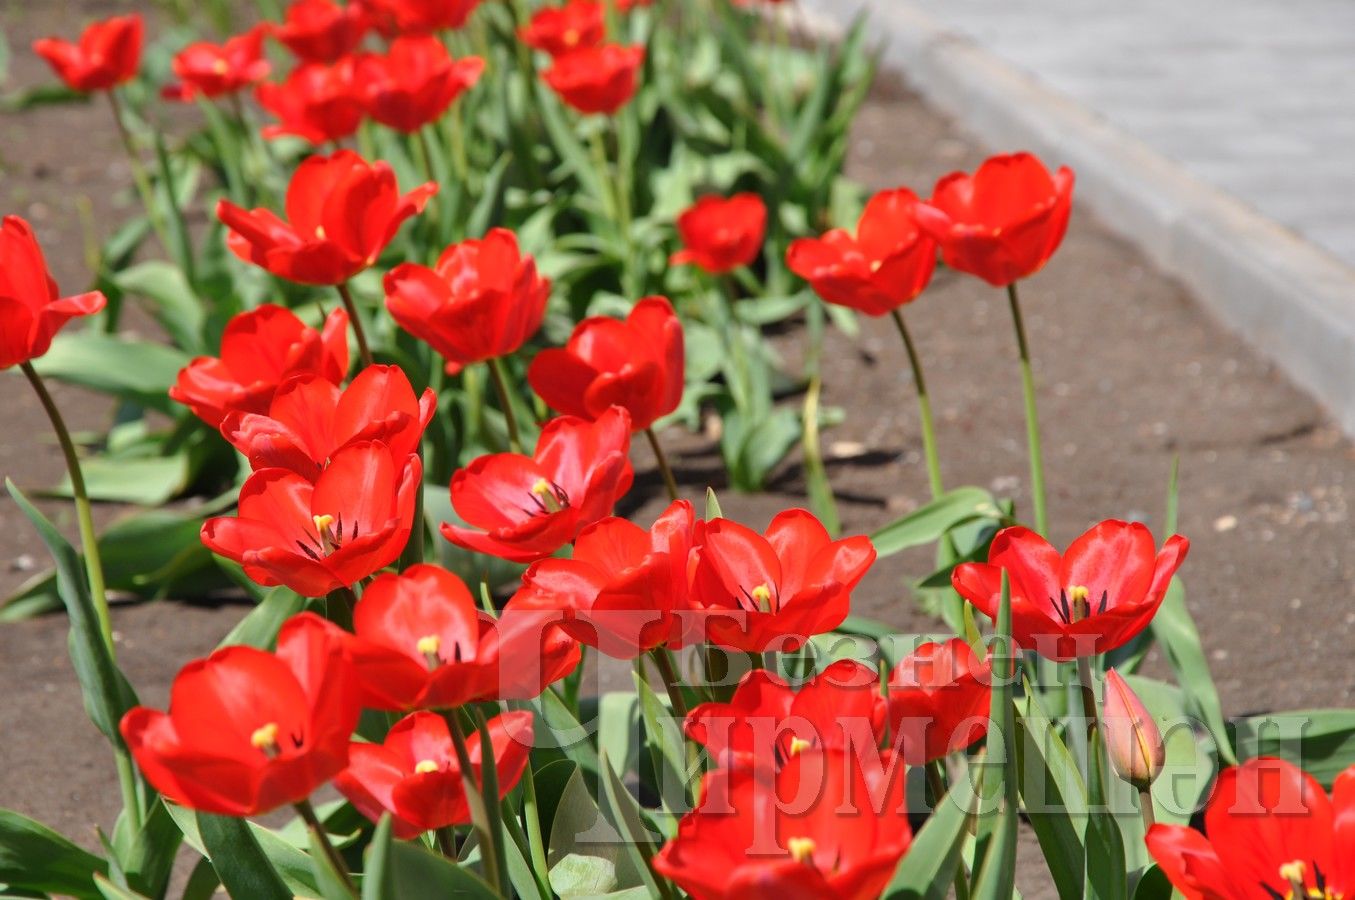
(461, 258)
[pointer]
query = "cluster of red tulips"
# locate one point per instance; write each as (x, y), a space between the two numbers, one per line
(454, 722)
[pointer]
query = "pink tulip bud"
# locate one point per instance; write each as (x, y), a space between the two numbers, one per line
(1133, 741)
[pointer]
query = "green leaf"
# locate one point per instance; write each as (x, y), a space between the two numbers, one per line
(170, 300)
(144, 481)
(1175, 631)
(138, 371)
(629, 821)
(286, 858)
(995, 849)
(1054, 795)
(33, 857)
(929, 866)
(926, 524)
(110, 891)
(260, 627)
(241, 864)
(1321, 741)
(712, 505)
(576, 875)
(106, 692)
(396, 870)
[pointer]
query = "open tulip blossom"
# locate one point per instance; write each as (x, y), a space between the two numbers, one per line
(31, 310)
(106, 55)
(720, 234)
(321, 31)
(559, 29)
(599, 79)
(318, 102)
(414, 82)
(212, 70)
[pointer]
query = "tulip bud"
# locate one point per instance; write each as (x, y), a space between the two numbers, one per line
(1133, 741)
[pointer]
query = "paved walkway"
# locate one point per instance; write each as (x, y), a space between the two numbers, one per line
(1256, 97)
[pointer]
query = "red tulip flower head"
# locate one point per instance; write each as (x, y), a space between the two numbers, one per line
(31, 311)
(524, 508)
(209, 70)
(1003, 222)
(321, 31)
(483, 300)
(824, 825)
(622, 586)
(1272, 832)
(422, 643)
(261, 349)
(637, 364)
(106, 55)
(720, 234)
(887, 264)
(249, 731)
(560, 29)
(599, 79)
(766, 721)
(1095, 597)
(415, 82)
(319, 102)
(938, 701)
(421, 16)
(318, 537)
(342, 211)
(415, 774)
(774, 590)
(311, 419)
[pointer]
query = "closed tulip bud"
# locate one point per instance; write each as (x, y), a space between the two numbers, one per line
(1132, 738)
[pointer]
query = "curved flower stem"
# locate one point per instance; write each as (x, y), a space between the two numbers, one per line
(1037, 492)
(476, 801)
(924, 407)
(88, 539)
(668, 480)
(506, 402)
(446, 838)
(663, 661)
(364, 351)
(139, 176)
(536, 843)
(1146, 808)
(307, 813)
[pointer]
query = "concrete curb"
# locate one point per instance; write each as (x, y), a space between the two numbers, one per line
(1290, 299)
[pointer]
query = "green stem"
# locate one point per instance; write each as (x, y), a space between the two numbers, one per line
(535, 842)
(446, 838)
(1146, 808)
(364, 351)
(459, 158)
(668, 480)
(605, 181)
(924, 407)
(506, 403)
(307, 813)
(663, 660)
(1037, 491)
(476, 801)
(139, 176)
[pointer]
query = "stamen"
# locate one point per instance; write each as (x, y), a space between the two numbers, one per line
(220, 67)
(799, 745)
(548, 496)
(265, 738)
(425, 766)
(428, 646)
(1294, 872)
(802, 850)
(1078, 598)
(762, 596)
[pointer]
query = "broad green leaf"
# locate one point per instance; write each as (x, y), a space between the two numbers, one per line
(138, 371)
(290, 862)
(260, 627)
(170, 300)
(928, 868)
(399, 870)
(629, 821)
(33, 857)
(995, 848)
(110, 891)
(926, 524)
(240, 863)
(1053, 793)
(1175, 631)
(1321, 741)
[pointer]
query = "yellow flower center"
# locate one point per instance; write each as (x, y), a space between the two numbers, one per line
(425, 766)
(762, 596)
(570, 37)
(220, 67)
(549, 498)
(428, 647)
(802, 850)
(799, 745)
(265, 738)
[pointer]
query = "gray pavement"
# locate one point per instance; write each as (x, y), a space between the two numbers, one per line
(1256, 97)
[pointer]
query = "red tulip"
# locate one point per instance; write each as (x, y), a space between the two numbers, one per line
(261, 349)
(1003, 222)
(415, 82)
(938, 701)
(824, 825)
(886, 265)
(1272, 832)
(766, 721)
(415, 774)
(249, 731)
(598, 79)
(31, 312)
(523, 508)
(321, 31)
(620, 590)
(319, 102)
(628, 5)
(636, 364)
(423, 644)
(720, 234)
(342, 211)
(778, 589)
(483, 300)
(1101, 593)
(311, 419)
(319, 537)
(205, 69)
(422, 16)
(560, 29)
(106, 56)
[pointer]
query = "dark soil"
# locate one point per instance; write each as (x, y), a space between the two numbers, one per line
(1131, 373)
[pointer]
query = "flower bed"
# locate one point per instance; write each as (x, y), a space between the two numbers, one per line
(742, 610)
